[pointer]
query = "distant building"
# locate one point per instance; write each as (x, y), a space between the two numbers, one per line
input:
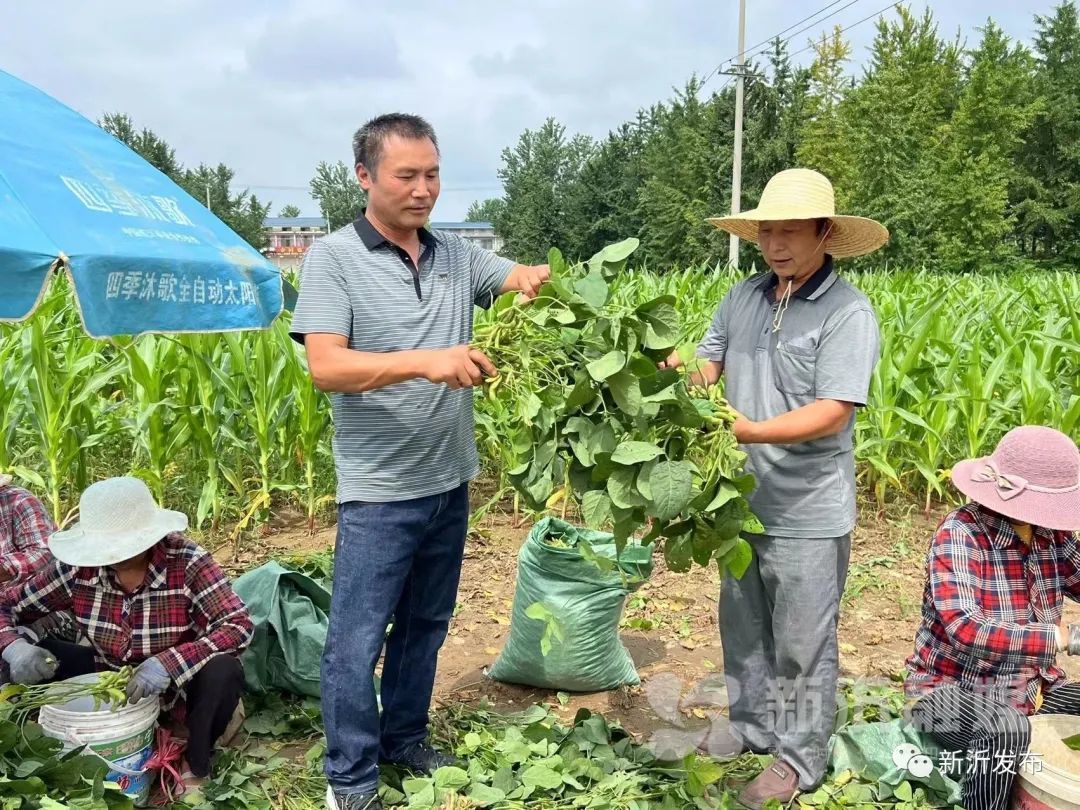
(288, 238)
(483, 233)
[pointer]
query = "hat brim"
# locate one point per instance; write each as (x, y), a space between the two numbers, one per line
(1056, 511)
(83, 549)
(850, 237)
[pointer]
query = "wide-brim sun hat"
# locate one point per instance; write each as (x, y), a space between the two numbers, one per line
(1033, 476)
(118, 520)
(806, 194)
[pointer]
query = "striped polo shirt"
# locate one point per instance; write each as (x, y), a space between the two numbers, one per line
(411, 439)
(824, 346)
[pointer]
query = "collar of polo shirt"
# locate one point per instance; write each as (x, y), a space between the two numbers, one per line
(812, 289)
(372, 239)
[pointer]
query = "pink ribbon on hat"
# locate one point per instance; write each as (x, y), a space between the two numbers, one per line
(1009, 486)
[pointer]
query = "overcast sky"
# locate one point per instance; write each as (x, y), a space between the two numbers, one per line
(271, 87)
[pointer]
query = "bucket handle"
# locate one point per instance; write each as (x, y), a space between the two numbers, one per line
(73, 738)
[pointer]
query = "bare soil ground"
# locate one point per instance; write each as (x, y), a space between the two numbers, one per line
(681, 648)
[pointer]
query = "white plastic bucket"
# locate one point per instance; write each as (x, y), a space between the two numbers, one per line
(1050, 788)
(124, 738)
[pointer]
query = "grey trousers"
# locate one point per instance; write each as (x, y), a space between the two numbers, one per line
(781, 662)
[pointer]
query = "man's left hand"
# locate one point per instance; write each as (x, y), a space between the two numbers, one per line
(529, 278)
(743, 428)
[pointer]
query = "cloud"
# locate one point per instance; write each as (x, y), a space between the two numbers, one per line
(272, 87)
(317, 49)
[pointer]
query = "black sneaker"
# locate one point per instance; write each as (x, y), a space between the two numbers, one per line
(352, 801)
(421, 758)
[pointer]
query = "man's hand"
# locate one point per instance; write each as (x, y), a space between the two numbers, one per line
(743, 428)
(701, 373)
(150, 679)
(459, 367)
(29, 664)
(529, 278)
(671, 361)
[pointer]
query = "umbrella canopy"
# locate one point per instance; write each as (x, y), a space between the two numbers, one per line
(142, 254)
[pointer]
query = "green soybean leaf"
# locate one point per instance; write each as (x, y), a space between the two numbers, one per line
(626, 390)
(634, 452)
(671, 487)
(606, 366)
(596, 508)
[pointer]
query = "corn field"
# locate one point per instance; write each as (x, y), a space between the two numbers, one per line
(229, 427)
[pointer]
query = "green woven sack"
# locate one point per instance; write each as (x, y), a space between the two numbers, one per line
(564, 631)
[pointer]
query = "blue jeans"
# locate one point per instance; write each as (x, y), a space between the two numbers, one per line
(400, 561)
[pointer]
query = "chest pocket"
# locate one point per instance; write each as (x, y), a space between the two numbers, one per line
(794, 367)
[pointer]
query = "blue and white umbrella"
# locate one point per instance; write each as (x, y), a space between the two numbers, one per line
(142, 254)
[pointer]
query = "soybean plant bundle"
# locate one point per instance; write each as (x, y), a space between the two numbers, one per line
(589, 415)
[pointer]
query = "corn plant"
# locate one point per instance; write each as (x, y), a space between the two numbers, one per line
(312, 424)
(211, 397)
(260, 364)
(158, 432)
(67, 372)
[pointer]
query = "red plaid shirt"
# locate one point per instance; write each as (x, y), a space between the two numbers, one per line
(25, 527)
(991, 607)
(185, 612)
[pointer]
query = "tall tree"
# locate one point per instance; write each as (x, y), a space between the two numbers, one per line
(824, 145)
(684, 160)
(1049, 213)
(241, 211)
(149, 146)
(777, 105)
(338, 193)
(536, 174)
(981, 146)
(488, 210)
(289, 211)
(893, 121)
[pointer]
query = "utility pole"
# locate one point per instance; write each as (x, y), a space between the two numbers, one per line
(736, 161)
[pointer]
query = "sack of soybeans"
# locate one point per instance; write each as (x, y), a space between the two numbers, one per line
(564, 628)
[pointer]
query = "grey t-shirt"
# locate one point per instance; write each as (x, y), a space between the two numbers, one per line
(415, 438)
(827, 347)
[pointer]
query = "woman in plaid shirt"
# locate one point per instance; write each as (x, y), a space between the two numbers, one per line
(144, 595)
(998, 571)
(25, 527)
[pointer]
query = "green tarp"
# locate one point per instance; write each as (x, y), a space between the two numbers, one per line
(564, 629)
(867, 749)
(291, 615)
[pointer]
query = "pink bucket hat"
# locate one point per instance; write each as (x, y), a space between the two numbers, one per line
(1032, 477)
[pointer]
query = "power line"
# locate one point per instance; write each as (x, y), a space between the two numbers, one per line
(853, 25)
(814, 24)
(753, 51)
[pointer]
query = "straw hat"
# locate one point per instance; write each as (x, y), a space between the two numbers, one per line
(118, 520)
(1032, 477)
(806, 194)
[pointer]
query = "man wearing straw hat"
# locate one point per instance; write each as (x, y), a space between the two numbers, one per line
(797, 346)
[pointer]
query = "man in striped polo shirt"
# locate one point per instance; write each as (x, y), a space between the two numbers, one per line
(385, 313)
